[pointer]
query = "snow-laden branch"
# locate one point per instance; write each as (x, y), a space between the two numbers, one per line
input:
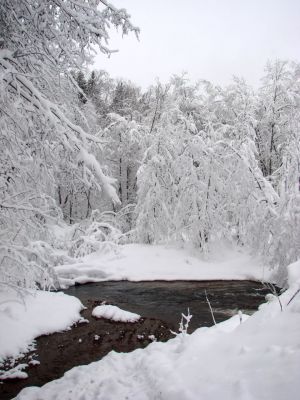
(77, 137)
(107, 183)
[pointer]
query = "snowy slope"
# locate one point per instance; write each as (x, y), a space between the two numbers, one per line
(257, 359)
(137, 262)
(38, 314)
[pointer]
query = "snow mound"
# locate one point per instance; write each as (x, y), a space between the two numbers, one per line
(114, 313)
(294, 274)
(41, 313)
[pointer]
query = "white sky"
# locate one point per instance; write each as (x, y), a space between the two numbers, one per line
(210, 39)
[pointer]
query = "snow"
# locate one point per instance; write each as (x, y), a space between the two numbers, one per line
(34, 362)
(114, 313)
(294, 274)
(15, 373)
(40, 313)
(258, 358)
(243, 358)
(137, 262)
(107, 182)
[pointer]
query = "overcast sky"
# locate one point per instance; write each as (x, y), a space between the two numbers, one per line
(210, 39)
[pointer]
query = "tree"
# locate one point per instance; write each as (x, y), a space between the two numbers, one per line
(278, 100)
(41, 43)
(83, 85)
(123, 149)
(125, 99)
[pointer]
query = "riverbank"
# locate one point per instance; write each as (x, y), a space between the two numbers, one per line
(255, 358)
(154, 262)
(140, 262)
(85, 342)
(160, 303)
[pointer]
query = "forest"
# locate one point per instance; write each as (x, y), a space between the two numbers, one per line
(180, 162)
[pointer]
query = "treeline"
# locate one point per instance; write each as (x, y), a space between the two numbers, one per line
(181, 162)
(202, 163)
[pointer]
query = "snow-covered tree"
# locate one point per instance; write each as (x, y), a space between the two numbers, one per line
(41, 42)
(123, 150)
(278, 100)
(202, 177)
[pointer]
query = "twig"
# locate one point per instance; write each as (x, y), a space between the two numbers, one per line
(211, 310)
(294, 295)
(272, 288)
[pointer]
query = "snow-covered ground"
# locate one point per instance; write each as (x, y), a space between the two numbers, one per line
(44, 312)
(137, 262)
(256, 359)
(39, 313)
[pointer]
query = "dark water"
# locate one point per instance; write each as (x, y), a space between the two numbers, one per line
(159, 303)
(167, 300)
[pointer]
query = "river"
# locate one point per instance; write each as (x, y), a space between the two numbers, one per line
(159, 303)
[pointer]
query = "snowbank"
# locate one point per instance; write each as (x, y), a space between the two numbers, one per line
(137, 262)
(256, 359)
(41, 313)
(114, 313)
(294, 274)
